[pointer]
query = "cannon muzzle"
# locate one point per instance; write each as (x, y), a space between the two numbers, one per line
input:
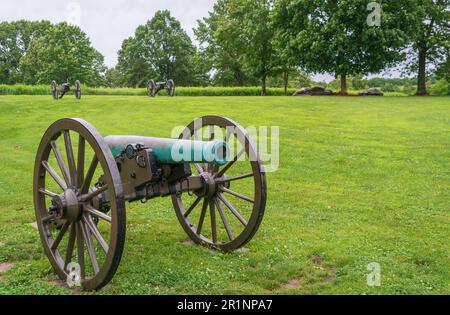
(174, 151)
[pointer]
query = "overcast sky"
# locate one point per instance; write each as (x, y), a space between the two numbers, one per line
(109, 22)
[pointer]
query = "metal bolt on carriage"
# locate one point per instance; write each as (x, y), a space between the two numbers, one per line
(212, 173)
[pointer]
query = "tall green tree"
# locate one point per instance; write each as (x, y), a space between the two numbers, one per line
(253, 19)
(238, 37)
(65, 52)
(133, 66)
(335, 36)
(15, 39)
(161, 50)
(431, 39)
(221, 47)
(113, 78)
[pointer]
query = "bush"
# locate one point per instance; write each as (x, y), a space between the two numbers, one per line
(440, 88)
(180, 91)
(20, 89)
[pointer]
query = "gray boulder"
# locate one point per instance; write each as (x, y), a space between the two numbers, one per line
(371, 92)
(313, 91)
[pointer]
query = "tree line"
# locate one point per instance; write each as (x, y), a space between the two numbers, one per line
(243, 43)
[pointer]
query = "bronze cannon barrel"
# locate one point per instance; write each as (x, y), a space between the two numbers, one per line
(174, 151)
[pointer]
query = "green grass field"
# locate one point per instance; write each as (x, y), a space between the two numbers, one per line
(361, 180)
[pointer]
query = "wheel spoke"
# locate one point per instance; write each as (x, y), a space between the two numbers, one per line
(202, 217)
(70, 158)
(97, 213)
(94, 230)
(90, 247)
(47, 193)
(231, 192)
(232, 209)
(224, 219)
(80, 164)
(213, 220)
(80, 249)
(71, 244)
(230, 164)
(60, 236)
(196, 202)
(235, 178)
(90, 196)
(60, 161)
(54, 175)
(198, 168)
(89, 175)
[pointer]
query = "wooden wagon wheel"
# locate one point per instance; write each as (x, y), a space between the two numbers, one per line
(170, 86)
(78, 208)
(54, 89)
(228, 213)
(77, 89)
(151, 88)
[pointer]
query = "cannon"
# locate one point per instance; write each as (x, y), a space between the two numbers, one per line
(59, 92)
(154, 88)
(212, 173)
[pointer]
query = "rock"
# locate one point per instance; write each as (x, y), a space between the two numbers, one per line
(371, 92)
(313, 91)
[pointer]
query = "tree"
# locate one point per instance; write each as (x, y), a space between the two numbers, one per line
(221, 47)
(133, 67)
(431, 38)
(161, 50)
(65, 52)
(334, 36)
(113, 78)
(253, 19)
(15, 39)
(239, 34)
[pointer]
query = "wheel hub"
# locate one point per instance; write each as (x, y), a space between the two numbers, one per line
(212, 184)
(68, 205)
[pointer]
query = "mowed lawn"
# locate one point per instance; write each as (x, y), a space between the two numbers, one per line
(361, 180)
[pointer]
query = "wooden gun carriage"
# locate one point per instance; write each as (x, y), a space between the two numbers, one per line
(82, 181)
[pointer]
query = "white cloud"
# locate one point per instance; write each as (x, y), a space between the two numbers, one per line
(107, 22)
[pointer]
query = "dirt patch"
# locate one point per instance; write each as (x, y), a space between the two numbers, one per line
(316, 259)
(422, 262)
(34, 225)
(243, 250)
(5, 266)
(189, 243)
(331, 275)
(292, 284)
(62, 284)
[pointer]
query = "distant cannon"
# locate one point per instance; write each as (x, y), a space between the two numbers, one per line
(59, 92)
(81, 183)
(154, 88)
